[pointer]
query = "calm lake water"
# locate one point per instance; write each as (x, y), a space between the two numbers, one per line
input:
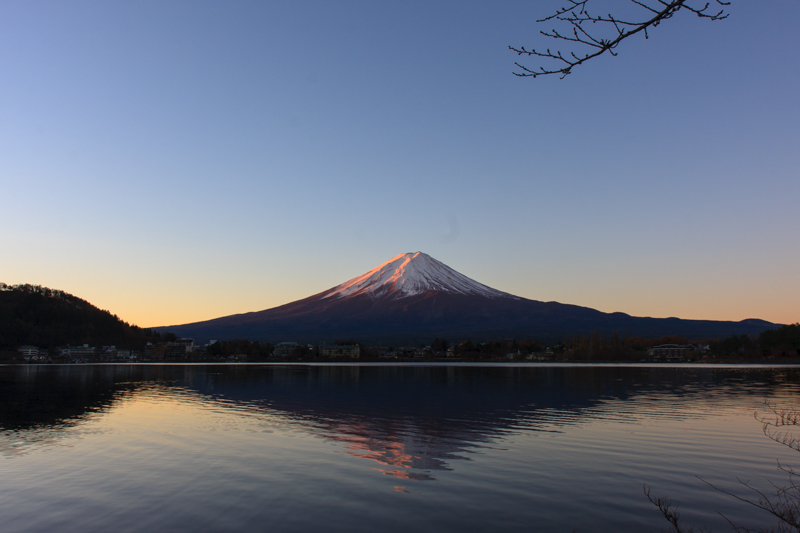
(390, 448)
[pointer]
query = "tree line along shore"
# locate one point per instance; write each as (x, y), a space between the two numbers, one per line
(42, 325)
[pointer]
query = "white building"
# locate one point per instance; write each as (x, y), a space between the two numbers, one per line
(28, 351)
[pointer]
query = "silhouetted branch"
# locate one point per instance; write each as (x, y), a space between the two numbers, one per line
(579, 19)
(670, 512)
(784, 504)
(774, 425)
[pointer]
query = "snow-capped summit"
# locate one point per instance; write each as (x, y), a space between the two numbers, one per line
(410, 274)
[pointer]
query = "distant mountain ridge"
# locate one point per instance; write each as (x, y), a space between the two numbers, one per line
(414, 298)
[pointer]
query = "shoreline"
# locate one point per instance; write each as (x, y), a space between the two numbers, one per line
(483, 364)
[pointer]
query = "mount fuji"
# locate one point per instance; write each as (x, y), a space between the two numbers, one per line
(414, 298)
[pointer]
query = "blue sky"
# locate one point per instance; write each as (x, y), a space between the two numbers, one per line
(178, 161)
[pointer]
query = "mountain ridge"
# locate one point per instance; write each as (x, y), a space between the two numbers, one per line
(414, 298)
(49, 318)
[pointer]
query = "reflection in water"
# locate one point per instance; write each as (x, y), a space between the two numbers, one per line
(345, 448)
(411, 421)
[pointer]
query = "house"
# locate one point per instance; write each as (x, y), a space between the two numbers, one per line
(188, 344)
(81, 350)
(28, 351)
(670, 352)
(542, 357)
(176, 349)
(352, 351)
(158, 350)
(284, 349)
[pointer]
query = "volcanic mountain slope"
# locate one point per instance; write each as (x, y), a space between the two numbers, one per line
(415, 298)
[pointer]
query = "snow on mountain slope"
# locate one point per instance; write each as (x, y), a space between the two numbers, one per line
(410, 274)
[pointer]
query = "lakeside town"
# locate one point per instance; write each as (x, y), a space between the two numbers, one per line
(39, 325)
(593, 348)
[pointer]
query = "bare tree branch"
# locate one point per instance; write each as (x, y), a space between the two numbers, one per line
(779, 424)
(580, 20)
(670, 512)
(783, 506)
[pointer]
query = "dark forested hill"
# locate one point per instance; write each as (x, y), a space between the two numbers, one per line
(47, 318)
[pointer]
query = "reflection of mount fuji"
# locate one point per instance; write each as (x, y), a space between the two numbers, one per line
(414, 298)
(410, 421)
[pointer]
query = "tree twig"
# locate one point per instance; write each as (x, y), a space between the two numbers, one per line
(579, 20)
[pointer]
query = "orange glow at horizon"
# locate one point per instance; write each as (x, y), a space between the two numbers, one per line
(165, 299)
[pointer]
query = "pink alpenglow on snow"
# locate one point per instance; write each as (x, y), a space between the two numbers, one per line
(411, 274)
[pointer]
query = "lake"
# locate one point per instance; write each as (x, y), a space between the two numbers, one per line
(141, 448)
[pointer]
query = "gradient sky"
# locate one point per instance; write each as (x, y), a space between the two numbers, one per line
(179, 161)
